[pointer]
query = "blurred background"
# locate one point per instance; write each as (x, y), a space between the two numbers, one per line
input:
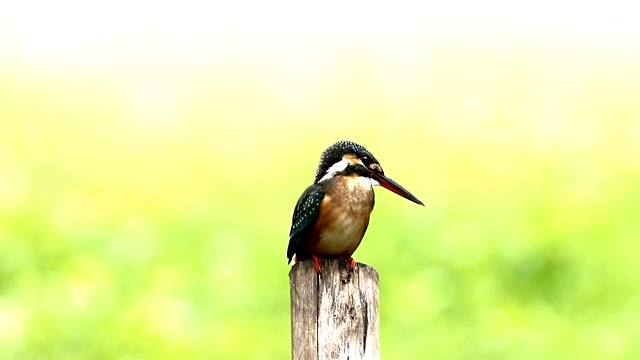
(151, 154)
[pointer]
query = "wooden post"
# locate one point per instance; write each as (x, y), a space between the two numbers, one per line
(334, 315)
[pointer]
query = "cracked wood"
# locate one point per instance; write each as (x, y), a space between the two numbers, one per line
(334, 315)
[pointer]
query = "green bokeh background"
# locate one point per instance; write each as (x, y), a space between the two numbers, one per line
(148, 176)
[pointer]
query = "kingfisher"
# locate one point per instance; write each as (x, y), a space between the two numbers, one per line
(332, 215)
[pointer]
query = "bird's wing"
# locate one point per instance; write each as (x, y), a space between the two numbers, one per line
(304, 217)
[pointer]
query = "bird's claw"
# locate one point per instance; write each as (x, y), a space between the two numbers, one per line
(317, 264)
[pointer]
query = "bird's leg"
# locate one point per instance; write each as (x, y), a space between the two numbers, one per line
(352, 264)
(317, 264)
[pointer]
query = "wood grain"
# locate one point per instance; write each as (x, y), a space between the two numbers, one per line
(334, 315)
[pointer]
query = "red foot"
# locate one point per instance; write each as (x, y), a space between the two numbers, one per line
(317, 264)
(352, 263)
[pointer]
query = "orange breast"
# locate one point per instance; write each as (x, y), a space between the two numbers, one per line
(343, 219)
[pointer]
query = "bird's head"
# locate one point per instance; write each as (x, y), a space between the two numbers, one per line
(346, 158)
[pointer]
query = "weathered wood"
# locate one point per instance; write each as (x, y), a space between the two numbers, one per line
(334, 315)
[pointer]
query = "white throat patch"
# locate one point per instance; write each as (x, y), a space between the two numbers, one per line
(337, 167)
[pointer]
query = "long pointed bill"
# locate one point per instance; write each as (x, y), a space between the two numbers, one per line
(393, 186)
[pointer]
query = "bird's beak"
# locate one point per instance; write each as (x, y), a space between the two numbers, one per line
(393, 186)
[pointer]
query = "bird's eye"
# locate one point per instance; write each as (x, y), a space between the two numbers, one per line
(366, 161)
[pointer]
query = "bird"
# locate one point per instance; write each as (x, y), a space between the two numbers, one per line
(332, 214)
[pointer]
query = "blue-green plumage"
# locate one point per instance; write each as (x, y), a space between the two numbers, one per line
(304, 216)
